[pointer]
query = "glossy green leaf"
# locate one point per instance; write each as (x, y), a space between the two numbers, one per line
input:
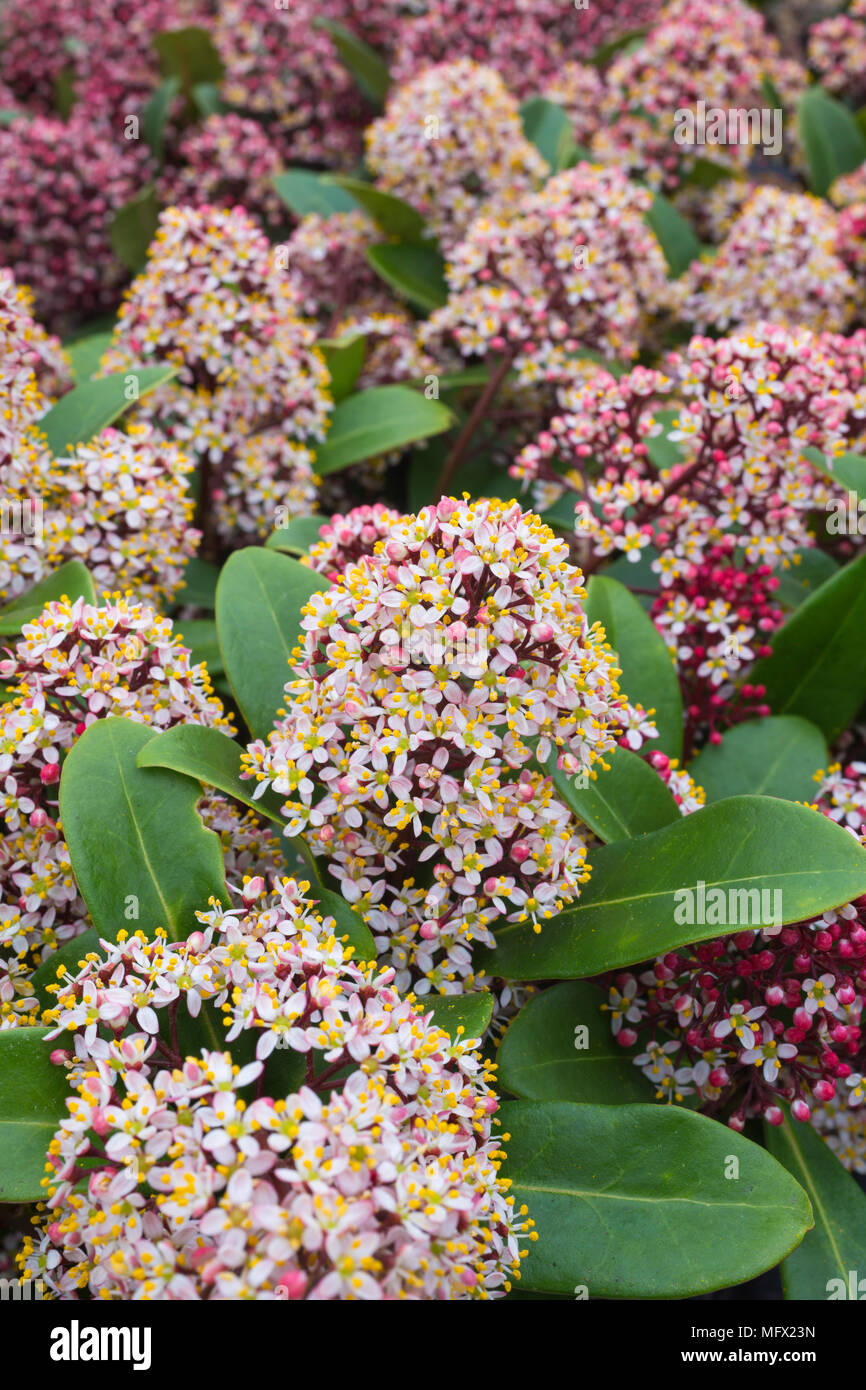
(560, 1047)
(305, 192)
(259, 599)
(91, 407)
(628, 799)
(416, 273)
(213, 759)
(818, 665)
(133, 227)
(373, 422)
(33, 1096)
(811, 569)
(548, 127)
(344, 358)
(628, 912)
(393, 216)
(369, 70)
(155, 113)
(471, 1012)
(71, 579)
(140, 853)
(648, 675)
(774, 757)
(675, 235)
(85, 352)
(848, 470)
(633, 1201)
(832, 140)
(835, 1246)
(297, 537)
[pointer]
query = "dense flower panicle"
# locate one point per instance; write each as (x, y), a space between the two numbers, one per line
(120, 503)
(849, 189)
(451, 143)
(712, 211)
(347, 539)
(282, 66)
(424, 679)
(710, 51)
(780, 261)
(575, 266)
(251, 390)
(837, 51)
(382, 1185)
(527, 41)
(579, 89)
(329, 269)
(60, 184)
(25, 346)
(228, 161)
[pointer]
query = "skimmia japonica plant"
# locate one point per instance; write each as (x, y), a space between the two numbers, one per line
(432, 689)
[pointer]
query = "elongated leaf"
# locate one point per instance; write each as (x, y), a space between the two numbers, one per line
(140, 853)
(548, 127)
(91, 407)
(71, 579)
(775, 757)
(417, 273)
(471, 1012)
(832, 139)
(213, 759)
(648, 675)
(675, 235)
(629, 799)
(155, 113)
(258, 611)
(628, 912)
(85, 352)
(366, 66)
(376, 421)
(560, 1047)
(296, 538)
(344, 358)
(633, 1201)
(835, 1246)
(305, 192)
(33, 1096)
(134, 227)
(394, 216)
(818, 665)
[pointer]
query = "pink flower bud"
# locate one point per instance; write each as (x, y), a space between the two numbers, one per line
(800, 1110)
(774, 1116)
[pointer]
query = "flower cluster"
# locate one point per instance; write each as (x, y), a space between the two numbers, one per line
(216, 300)
(60, 184)
(709, 51)
(227, 161)
(779, 261)
(329, 269)
(434, 682)
(451, 144)
(313, 1186)
(575, 266)
(837, 51)
(119, 502)
(347, 539)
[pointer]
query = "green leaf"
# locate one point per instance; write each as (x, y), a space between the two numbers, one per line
(775, 757)
(190, 55)
(606, 51)
(133, 227)
(135, 839)
(648, 675)
(815, 567)
(675, 235)
(154, 115)
(393, 216)
(818, 665)
(836, 1243)
(705, 173)
(832, 140)
(213, 759)
(85, 352)
(417, 273)
(626, 913)
(664, 452)
(87, 409)
(366, 66)
(259, 599)
(374, 422)
(72, 579)
(349, 924)
(305, 193)
(200, 635)
(539, 1058)
(32, 1107)
(629, 799)
(68, 955)
(344, 358)
(848, 470)
(471, 1012)
(548, 127)
(298, 536)
(632, 1201)
(206, 99)
(199, 585)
